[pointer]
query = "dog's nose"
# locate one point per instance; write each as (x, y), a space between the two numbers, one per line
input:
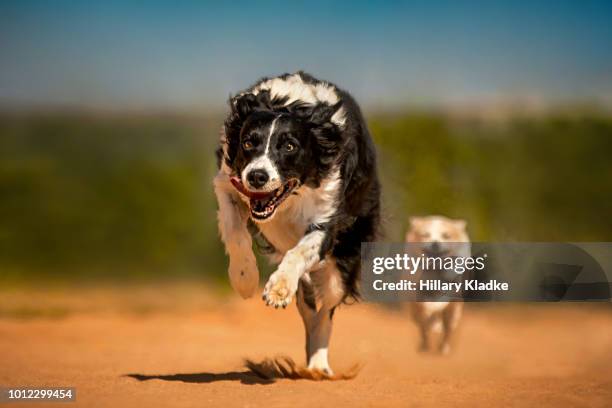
(435, 246)
(257, 178)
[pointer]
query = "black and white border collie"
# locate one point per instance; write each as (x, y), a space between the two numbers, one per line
(297, 173)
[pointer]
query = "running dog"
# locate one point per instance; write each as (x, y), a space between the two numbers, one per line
(297, 173)
(438, 236)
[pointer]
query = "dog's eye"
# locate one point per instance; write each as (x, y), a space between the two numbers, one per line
(446, 235)
(289, 147)
(247, 145)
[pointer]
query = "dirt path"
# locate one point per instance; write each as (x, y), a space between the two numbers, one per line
(550, 355)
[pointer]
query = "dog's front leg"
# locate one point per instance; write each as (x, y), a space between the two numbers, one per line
(233, 216)
(283, 283)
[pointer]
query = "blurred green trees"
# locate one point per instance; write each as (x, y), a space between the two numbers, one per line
(527, 179)
(110, 196)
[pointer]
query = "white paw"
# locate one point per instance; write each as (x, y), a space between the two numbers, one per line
(243, 274)
(445, 349)
(319, 362)
(280, 289)
(324, 369)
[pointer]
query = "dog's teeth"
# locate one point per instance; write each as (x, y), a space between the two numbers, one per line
(277, 197)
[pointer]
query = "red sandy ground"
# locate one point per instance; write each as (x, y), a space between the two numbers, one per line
(505, 355)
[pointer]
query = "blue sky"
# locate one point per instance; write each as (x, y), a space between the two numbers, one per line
(193, 54)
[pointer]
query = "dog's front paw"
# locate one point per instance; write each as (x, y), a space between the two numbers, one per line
(280, 289)
(445, 349)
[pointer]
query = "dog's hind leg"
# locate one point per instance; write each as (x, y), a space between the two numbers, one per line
(318, 342)
(424, 329)
(450, 321)
(232, 217)
(324, 285)
(307, 306)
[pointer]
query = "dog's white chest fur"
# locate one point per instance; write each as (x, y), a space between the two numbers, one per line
(282, 235)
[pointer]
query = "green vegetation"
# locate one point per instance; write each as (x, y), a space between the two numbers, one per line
(527, 179)
(106, 196)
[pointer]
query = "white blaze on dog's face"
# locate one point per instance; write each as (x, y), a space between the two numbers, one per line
(437, 234)
(260, 174)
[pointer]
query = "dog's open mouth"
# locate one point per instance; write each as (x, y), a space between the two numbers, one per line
(263, 204)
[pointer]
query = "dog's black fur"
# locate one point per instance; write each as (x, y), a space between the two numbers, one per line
(322, 144)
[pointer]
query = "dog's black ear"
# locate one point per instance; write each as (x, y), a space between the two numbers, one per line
(323, 113)
(318, 114)
(245, 104)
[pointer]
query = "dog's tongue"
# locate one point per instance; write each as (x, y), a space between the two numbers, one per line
(237, 183)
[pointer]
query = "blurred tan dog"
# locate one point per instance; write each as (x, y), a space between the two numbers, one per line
(437, 234)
